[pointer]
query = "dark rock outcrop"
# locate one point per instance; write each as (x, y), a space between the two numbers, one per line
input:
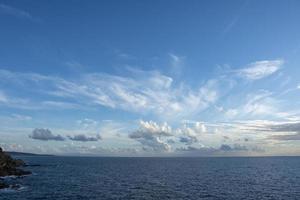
(3, 185)
(10, 167)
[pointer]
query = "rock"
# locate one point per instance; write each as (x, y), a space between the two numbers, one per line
(3, 185)
(9, 166)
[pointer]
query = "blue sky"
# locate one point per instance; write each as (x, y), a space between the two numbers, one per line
(150, 78)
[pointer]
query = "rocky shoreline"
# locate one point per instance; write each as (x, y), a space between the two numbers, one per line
(10, 167)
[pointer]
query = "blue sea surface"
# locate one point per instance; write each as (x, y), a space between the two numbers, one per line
(62, 178)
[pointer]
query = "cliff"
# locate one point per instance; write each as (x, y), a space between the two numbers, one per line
(10, 167)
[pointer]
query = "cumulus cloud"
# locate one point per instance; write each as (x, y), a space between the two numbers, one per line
(151, 135)
(188, 140)
(190, 134)
(85, 138)
(260, 69)
(45, 135)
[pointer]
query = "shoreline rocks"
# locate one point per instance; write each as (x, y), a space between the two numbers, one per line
(3, 185)
(10, 167)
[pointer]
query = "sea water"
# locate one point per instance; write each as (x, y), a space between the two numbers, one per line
(62, 178)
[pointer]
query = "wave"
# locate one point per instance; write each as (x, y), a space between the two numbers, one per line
(13, 177)
(13, 188)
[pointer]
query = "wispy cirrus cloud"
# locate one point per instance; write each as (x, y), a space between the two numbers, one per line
(295, 136)
(260, 69)
(144, 92)
(177, 63)
(16, 12)
(3, 97)
(274, 130)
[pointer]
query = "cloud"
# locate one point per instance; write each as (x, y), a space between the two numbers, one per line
(3, 97)
(21, 117)
(84, 138)
(88, 124)
(260, 103)
(177, 63)
(161, 137)
(151, 135)
(286, 127)
(260, 69)
(257, 104)
(143, 92)
(58, 105)
(236, 147)
(286, 137)
(196, 151)
(9, 10)
(289, 128)
(224, 149)
(45, 135)
(191, 133)
(273, 126)
(188, 140)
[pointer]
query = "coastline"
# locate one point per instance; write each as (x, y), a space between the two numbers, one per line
(11, 168)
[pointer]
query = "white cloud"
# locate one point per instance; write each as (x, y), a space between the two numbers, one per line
(260, 103)
(260, 69)
(151, 135)
(231, 113)
(143, 92)
(3, 97)
(177, 63)
(21, 117)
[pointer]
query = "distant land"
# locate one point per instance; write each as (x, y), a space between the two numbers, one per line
(13, 153)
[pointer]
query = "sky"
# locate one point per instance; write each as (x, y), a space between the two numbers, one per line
(150, 78)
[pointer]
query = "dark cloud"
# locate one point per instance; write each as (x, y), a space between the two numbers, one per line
(188, 140)
(286, 137)
(84, 138)
(292, 130)
(45, 135)
(226, 137)
(287, 127)
(235, 147)
(170, 141)
(194, 151)
(224, 149)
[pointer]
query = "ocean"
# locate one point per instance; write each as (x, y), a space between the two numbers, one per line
(91, 178)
